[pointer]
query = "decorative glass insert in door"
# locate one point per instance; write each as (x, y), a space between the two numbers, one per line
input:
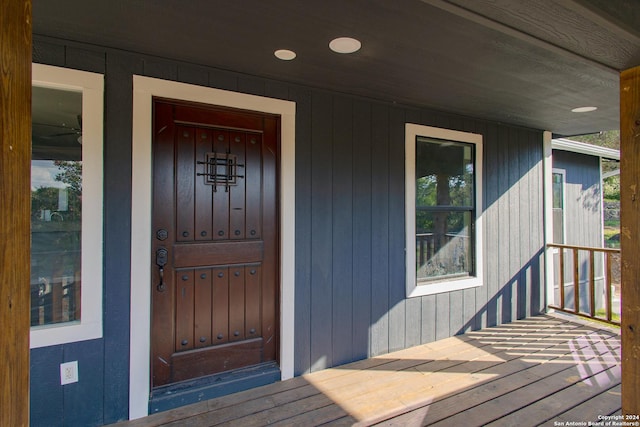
(56, 206)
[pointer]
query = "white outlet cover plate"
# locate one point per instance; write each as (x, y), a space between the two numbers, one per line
(69, 372)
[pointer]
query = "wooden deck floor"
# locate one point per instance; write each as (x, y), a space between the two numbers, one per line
(531, 372)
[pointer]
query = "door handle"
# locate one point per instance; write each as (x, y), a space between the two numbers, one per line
(161, 260)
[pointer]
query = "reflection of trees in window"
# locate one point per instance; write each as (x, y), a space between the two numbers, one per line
(71, 175)
(45, 199)
(444, 208)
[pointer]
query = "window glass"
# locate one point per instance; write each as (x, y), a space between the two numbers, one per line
(558, 206)
(56, 206)
(445, 208)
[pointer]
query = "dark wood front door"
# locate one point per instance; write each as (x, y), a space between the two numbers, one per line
(215, 240)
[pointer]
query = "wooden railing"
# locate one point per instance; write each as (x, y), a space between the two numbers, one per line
(604, 286)
(426, 245)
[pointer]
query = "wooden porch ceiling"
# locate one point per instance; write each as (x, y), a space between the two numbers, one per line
(527, 373)
(523, 62)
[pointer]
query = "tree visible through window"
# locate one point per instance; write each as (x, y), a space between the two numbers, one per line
(445, 209)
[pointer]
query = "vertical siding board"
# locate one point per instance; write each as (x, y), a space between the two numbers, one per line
(504, 295)
(117, 231)
(85, 60)
(45, 392)
(515, 238)
(525, 210)
(397, 288)
(193, 75)
(302, 354)
(362, 236)
(278, 90)
(443, 307)
(456, 312)
(428, 315)
(251, 85)
(413, 321)
(83, 404)
(221, 79)
(160, 69)
(47, 53)
(492, 243)
(469, 310)
(380, 231)
(321, 236)
(482, 292)
(342, 252)
(427, 118)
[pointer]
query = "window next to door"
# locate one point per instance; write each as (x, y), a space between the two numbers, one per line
(558, 185)
(66, 206)
(443, 210)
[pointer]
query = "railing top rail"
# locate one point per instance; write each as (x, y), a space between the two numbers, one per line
(583, 248)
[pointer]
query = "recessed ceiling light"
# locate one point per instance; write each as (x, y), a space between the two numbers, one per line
(285, 54)
(584, 109)
(345, 45)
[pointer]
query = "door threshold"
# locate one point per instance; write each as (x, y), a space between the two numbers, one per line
(186, 392)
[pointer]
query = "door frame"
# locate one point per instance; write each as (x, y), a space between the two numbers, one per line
(144, 89)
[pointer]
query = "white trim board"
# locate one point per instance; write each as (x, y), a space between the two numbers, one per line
(584, 148)
(144, 89)
(548, 214)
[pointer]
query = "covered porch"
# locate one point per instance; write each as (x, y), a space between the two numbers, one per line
(534, 371)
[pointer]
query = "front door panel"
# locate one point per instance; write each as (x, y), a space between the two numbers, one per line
(214, 254)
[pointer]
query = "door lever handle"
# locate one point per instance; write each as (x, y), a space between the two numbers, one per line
(161, 261)
(161, 286)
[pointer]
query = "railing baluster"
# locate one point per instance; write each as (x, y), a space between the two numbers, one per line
(561, 253)
(592, 284)
(607, 286)
(608, 292)
(576, 281)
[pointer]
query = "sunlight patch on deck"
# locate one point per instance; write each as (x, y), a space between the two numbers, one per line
(405, 379)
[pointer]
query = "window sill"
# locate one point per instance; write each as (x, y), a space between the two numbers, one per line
(442, 287)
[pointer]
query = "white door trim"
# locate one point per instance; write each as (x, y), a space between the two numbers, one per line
(144, 89)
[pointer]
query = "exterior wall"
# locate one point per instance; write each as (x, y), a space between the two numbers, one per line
(583, 197)
(583, 223)
(350, 266)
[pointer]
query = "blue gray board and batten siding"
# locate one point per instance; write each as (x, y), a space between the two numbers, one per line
(583, 197)
(350, 232)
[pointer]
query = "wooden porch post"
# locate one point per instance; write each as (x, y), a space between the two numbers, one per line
(630, 237)
(15, 160)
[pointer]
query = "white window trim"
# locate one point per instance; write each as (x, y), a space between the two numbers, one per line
(144, 89)
(411, 132)
(91, 85)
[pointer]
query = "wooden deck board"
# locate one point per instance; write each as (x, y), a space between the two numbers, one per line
(463, 391)
(606, 403)
(529, 372)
